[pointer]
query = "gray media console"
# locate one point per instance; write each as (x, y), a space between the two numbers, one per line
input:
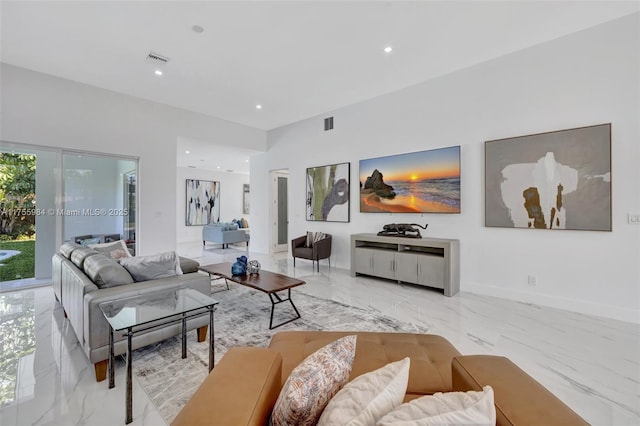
(431, 262)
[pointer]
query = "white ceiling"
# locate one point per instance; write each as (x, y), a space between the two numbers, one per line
(296, 58)
(211, 156)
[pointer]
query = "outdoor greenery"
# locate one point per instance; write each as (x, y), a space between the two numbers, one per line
(19, 266)
(17, 194)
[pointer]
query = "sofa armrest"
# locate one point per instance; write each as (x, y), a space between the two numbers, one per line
(241, 390)
(519, 399)
(298, 242)
(322, 248)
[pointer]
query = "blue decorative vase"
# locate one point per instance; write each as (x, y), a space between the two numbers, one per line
(239, 267)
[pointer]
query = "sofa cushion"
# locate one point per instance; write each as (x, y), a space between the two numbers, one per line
(67, 248)
(451, 408)
(188, 265)
(105, 272)
(430, 355)
(80, 254)
(114, 250)
(368, 397)
(145, 268)
(313, 383)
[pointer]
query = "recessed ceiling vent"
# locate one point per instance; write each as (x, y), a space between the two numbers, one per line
(156, 58)
(328, 123)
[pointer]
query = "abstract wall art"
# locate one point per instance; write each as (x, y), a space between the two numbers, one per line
(328, 193)
(554, 180)
(415, 182)
(203, 202)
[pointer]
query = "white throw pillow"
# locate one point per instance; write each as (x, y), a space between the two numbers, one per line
(145, 268)
(312, 384)
(368, 397)
(450, 408)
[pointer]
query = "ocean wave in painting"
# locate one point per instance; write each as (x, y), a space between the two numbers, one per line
(443, 191)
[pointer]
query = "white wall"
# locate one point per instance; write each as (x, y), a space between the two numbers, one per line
(44, 110)
(586, 78)
(230, 199)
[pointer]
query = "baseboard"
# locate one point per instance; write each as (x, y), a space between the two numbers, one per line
(580, 306)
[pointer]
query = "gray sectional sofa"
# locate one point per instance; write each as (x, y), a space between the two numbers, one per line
(83, 278)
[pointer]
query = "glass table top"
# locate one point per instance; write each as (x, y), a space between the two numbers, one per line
(137, 310)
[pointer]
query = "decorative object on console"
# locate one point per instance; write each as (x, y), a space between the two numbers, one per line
(253, 267)
(417, 182)
(240, 266)
(402, 230)
(245, 198)
(202, 202)
(554, 180)
(328, 193)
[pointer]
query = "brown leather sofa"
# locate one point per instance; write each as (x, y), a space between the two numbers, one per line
(243, 387)
(321, 249)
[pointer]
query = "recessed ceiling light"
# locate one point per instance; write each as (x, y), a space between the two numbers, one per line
(217, 167)
(246, 161)
(158, 72)
(258, 106)
(197, 29)
(187, 152)
(388, 49)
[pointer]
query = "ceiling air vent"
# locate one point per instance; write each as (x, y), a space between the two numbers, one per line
(328, 123)
(156, 58)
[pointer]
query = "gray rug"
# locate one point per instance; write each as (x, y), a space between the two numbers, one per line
(242, 319)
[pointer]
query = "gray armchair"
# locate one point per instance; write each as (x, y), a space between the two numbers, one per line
(320, 249)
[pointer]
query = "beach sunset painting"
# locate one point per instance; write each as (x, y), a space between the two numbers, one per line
(416, 182)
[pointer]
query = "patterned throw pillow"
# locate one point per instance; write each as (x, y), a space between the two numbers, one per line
(114, 250)
(313, 237)
(313, 383)
(368, 397)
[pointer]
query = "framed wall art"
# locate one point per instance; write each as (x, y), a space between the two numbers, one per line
(414, 182)
(203, 202)
(554, 180)
(328, 193)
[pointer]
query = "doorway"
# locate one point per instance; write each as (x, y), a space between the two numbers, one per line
(280, 210)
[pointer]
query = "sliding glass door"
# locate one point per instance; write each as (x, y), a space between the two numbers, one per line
(49, 196)
(98, 198)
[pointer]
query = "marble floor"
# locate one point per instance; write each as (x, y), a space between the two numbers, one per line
(592, 364)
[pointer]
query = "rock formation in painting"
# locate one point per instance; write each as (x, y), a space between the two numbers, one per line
(375, 184)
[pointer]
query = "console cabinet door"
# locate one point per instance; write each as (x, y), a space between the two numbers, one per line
(407, 267)
(364, 261)
(384, 264)
(431, 271)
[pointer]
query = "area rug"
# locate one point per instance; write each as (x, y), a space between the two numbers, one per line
(242, 319)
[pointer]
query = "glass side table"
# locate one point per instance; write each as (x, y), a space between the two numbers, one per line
(150, 311)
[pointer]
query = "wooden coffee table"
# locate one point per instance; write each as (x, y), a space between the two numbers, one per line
(267, 282)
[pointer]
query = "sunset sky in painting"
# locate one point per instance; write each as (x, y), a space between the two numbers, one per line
(414, 166)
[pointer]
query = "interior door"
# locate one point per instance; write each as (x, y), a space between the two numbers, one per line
(280, 233)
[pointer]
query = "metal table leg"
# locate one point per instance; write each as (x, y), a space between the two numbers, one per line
(111, 365)
(184, 336)
(211, 341)
(129, 396)
(276, 299)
